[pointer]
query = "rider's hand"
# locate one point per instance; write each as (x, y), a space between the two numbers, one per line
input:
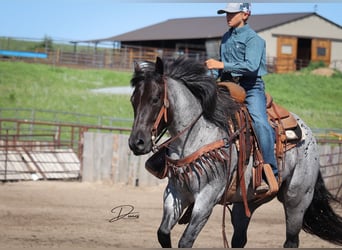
(214, 64)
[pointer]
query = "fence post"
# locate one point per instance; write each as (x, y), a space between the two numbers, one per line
(6, 155)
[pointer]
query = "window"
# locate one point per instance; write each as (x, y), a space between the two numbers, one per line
(321, 51)
(286, 49)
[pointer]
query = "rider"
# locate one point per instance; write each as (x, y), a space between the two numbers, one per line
(243, 60)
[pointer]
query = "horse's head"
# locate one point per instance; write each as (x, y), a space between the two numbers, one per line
(147, 101)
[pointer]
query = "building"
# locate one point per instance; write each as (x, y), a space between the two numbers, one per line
(293, 39)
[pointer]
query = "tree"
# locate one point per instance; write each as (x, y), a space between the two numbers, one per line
(46, 44)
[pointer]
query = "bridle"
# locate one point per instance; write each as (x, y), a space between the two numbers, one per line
(163, 114)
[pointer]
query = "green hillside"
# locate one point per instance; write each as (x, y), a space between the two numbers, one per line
(317, 99)
(38, 86)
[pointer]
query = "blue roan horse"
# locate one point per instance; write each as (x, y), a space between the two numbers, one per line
(179, 96)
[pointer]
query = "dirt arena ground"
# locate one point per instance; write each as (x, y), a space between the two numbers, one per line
(58, 214)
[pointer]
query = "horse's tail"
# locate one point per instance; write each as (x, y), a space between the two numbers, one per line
(320, 219)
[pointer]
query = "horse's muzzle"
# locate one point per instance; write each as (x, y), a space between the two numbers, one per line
(140, 145)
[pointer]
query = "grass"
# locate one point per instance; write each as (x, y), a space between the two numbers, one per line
(316, 99)
(37, 86)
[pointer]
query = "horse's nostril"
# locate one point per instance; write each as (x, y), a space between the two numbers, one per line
(140, 142)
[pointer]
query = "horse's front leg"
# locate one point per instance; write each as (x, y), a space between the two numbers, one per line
(240, 223)
(173, 208)
(201, 212)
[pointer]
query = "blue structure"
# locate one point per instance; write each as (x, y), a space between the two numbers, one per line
(12, 53)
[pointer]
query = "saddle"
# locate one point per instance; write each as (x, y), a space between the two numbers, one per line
(281, 120)
(287, 132)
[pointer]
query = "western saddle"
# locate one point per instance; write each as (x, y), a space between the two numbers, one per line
(287, 132)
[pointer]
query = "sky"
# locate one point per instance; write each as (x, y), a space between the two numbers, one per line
(78, 20)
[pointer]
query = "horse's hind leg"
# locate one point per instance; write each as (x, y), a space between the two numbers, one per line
(296, 198)
(294, 213)
(300, 176)
(171, 213)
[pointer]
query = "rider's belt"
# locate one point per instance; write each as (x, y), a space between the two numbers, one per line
(227, 77)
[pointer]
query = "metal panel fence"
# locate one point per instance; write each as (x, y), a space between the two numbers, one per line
(43, 150)
(102, 154)
(331, 164)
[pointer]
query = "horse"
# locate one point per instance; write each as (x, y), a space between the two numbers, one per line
(181, 97)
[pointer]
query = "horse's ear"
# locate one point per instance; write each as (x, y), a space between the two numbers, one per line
(159, 66)
(136, 66)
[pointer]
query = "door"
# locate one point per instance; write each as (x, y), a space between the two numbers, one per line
(286, 54)
(303, 53)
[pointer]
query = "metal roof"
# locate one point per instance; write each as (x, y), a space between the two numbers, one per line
(201, 27)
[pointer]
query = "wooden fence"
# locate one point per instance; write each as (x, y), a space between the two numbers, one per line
(123, 58)
(107, 157)
(119, 59)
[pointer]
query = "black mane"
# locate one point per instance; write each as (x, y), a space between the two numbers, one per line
(216, 101)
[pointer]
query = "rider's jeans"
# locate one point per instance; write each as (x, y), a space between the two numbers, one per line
(256, 104)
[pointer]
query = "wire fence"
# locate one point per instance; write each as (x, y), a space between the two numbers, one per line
(62, 117)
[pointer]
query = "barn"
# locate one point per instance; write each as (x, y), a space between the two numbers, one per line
(293, 39)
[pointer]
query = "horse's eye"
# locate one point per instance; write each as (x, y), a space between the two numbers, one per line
(155, 100)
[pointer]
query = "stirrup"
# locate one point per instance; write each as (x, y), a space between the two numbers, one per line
(263, 188)
(271, 187)
(271, 180)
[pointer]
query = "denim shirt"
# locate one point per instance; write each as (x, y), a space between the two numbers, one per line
(243, 53)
